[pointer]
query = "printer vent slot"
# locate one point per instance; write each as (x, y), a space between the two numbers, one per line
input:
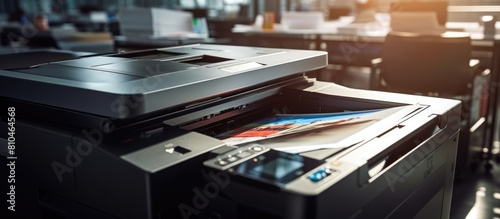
(227, 120)
(150, 54)
(204, 60)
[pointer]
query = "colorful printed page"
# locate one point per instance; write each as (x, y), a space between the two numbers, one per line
(286, 124)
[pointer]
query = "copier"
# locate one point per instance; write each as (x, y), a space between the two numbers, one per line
(135, 135)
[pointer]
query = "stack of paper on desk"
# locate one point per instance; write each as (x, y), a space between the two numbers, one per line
(156, 22)
(302, 20)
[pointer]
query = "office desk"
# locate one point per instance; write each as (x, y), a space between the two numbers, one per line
(94, 42)
(361, 46)
(347, 44)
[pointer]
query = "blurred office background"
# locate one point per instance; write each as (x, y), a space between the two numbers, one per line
(69, 11)
(94, 26)
(221, 15)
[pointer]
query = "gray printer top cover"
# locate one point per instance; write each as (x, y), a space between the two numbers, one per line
(128, 85)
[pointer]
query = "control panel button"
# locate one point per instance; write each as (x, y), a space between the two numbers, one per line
(244, 154)
(221, 162)
(336, 163)
(257, 148)
(232, 159)
(320, 174)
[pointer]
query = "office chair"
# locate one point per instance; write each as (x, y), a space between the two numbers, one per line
(426, 63)
(431, 64)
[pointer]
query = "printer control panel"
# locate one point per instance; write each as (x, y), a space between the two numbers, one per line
(237, 156)
(270, 166)
(227, 160)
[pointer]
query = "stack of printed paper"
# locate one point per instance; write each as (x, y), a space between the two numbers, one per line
(156, 22)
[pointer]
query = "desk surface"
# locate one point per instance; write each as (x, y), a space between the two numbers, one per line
(155, 42)
(374, 31)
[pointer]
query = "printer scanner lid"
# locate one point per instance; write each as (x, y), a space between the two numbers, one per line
(127, 85)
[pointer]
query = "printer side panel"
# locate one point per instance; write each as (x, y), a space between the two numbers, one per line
(403, 191)
(141, 179)
(74, 174)
(45, 168)
(434, 192)
(106, 183)
(52, 162)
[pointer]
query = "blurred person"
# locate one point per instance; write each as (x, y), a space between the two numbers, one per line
(41, 22)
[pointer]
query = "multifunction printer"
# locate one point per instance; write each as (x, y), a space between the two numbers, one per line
(144, 134)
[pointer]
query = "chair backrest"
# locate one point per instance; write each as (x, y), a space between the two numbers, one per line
(418, 22)
(439, 7)
(427, 63)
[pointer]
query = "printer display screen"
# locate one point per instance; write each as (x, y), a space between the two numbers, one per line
(276, 167)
